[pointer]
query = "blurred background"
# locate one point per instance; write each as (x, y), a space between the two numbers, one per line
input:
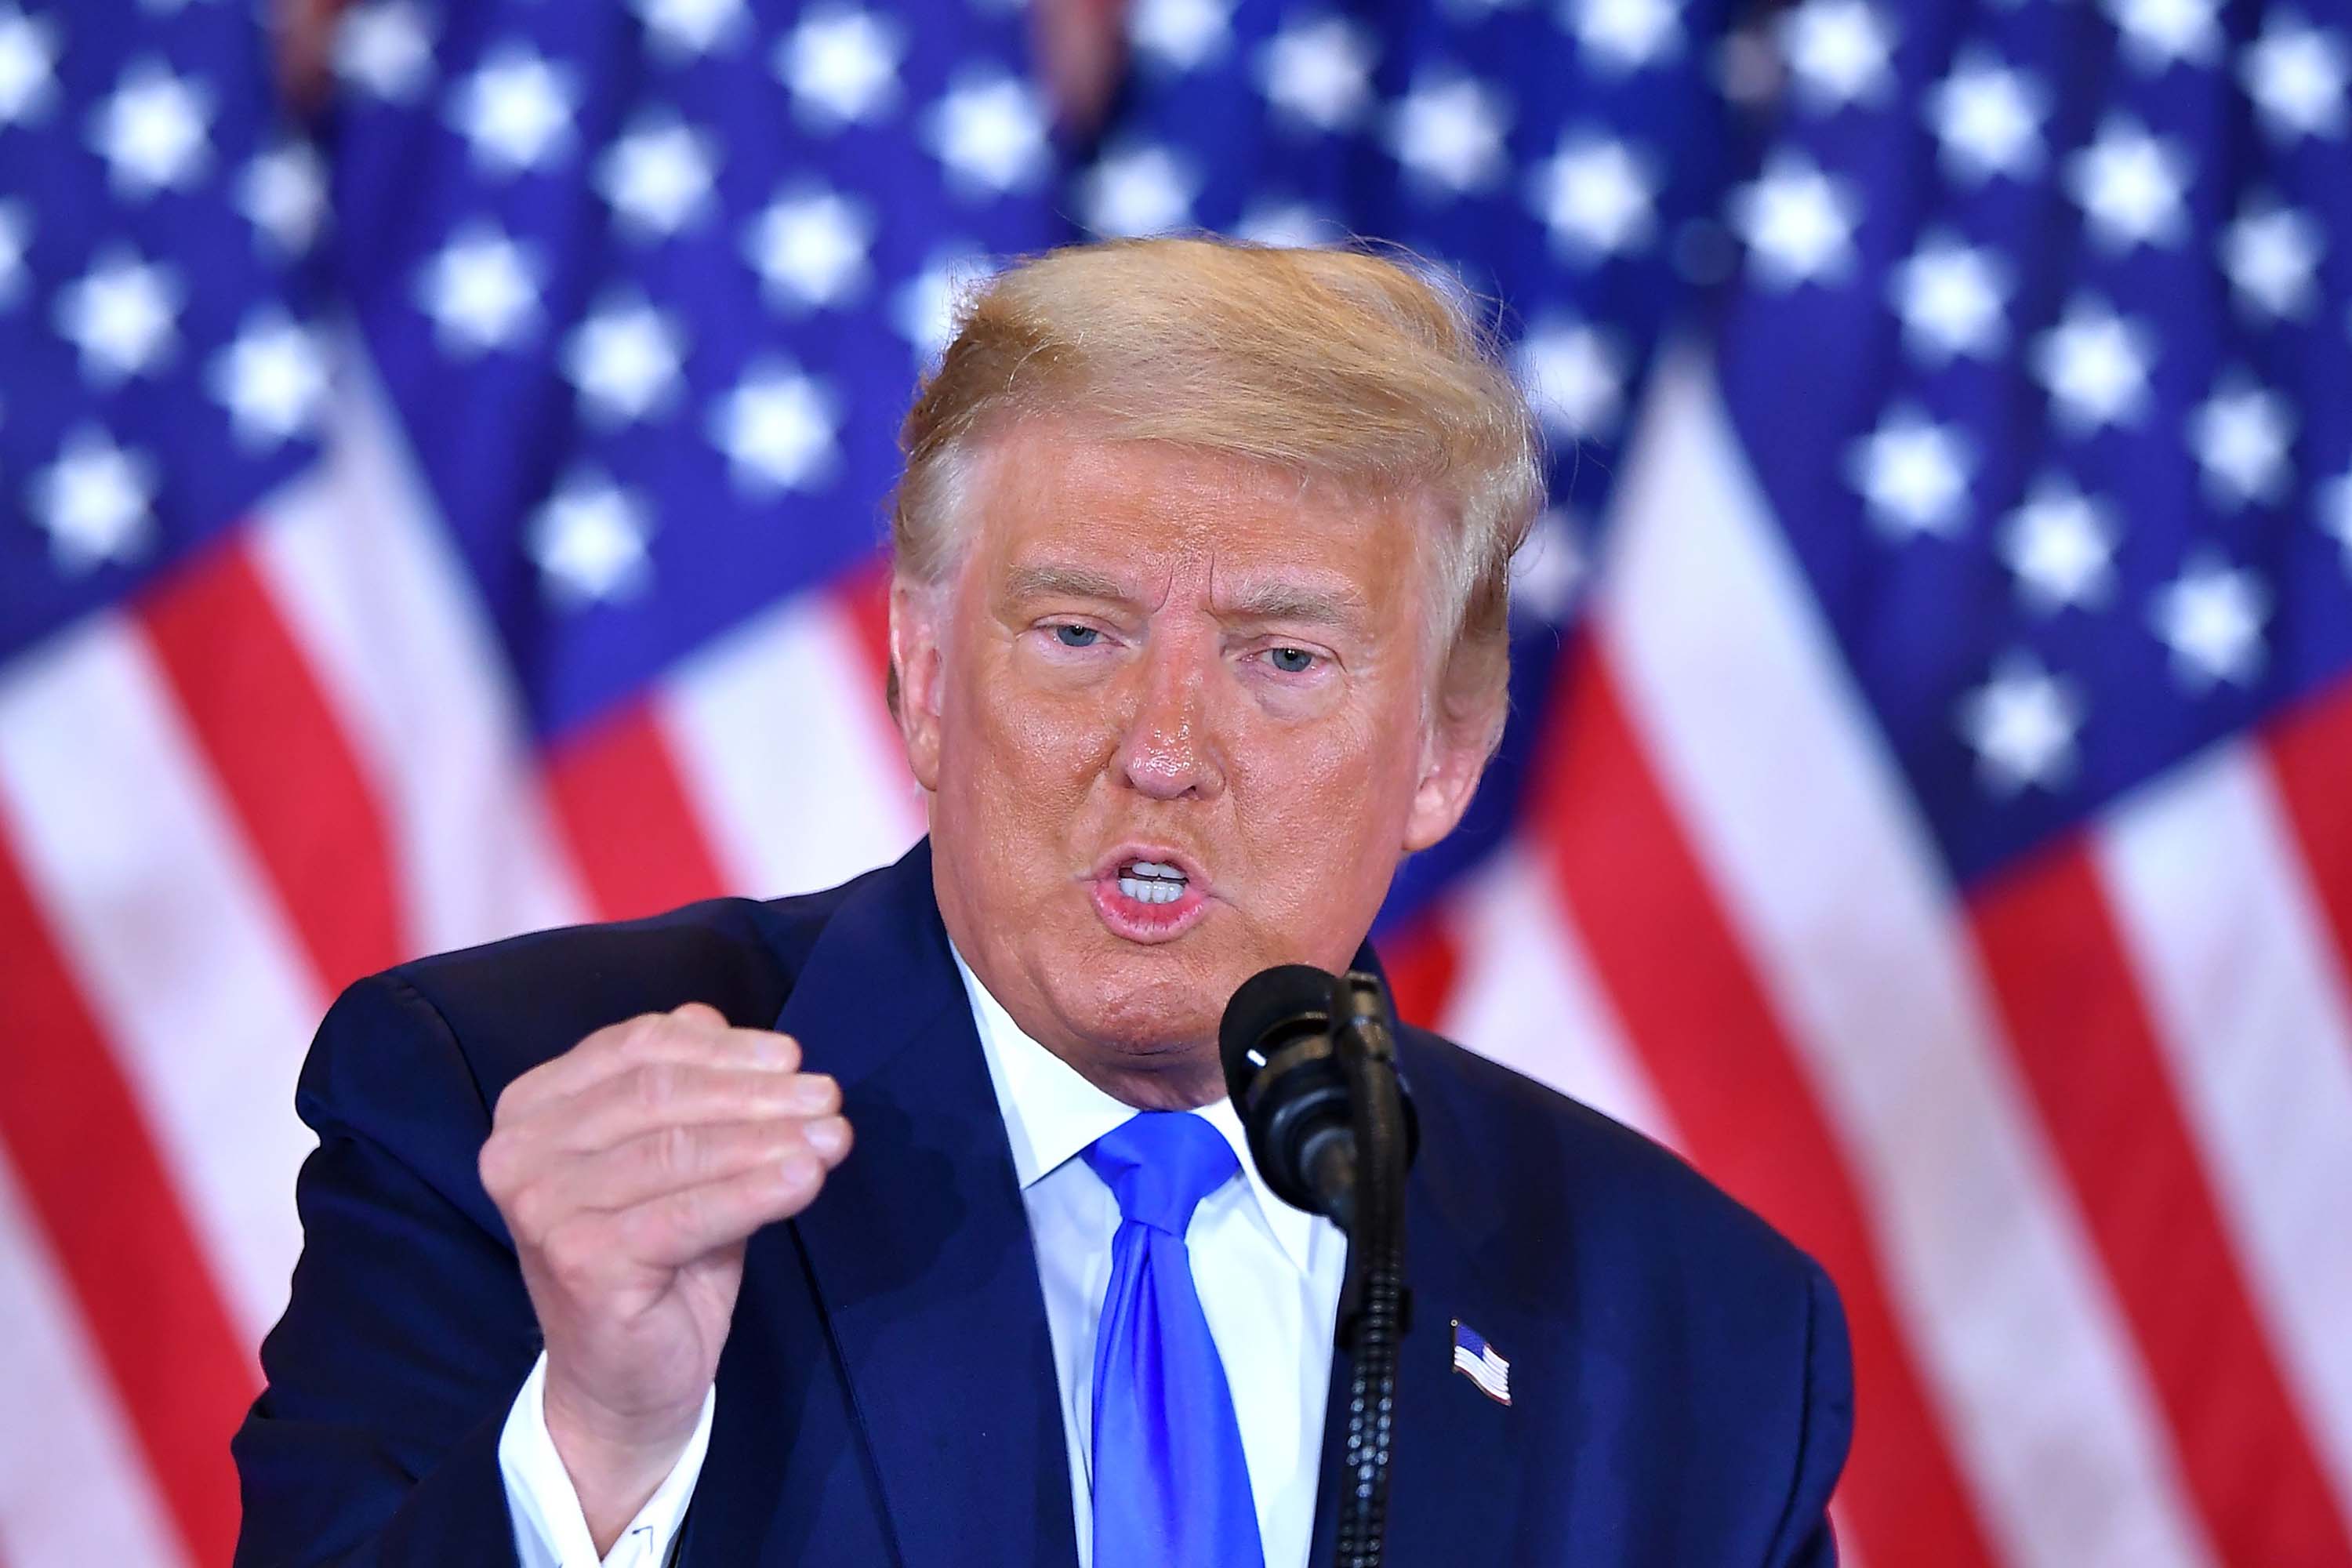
(442, 448)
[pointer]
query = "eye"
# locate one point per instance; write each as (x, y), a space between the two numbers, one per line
(1291, 660)
(1078, 637)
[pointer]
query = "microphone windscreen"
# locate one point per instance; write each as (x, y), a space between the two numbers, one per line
(1272, 1007)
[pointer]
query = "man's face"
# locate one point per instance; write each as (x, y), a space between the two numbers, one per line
(1175, 712)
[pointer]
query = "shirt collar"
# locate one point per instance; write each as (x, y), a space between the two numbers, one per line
(1051, 1113)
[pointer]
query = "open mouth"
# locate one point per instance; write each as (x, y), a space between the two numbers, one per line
(1146, 894)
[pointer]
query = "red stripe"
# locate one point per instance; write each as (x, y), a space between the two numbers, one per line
(2081, 1034)
(865, 595)
(2311, 757)
(281, 758)
(72, 1130)
(1693, 1006)
(633, 832)
(1422, 960)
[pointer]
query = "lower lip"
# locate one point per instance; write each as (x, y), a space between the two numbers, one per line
(1139, 921)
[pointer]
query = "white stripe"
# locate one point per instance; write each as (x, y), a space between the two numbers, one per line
(72, 1489)
(2251, 1012)
(1526, 997)
(782, 744)
(370, 588)
(169, 929)
(1780, 777)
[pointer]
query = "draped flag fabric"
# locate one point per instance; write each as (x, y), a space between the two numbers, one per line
(1928, 801)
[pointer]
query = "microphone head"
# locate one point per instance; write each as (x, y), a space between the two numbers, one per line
(1272, 1008)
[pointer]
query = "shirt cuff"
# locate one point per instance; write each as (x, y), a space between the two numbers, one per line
(549, 1530)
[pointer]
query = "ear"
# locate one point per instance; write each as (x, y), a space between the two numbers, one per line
(916, 628)
(1452, 759)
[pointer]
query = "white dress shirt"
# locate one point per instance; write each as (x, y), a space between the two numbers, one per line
(1268, 1275)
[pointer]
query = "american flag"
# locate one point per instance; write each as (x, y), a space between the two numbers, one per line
(1476, 1359)
(1930, 799)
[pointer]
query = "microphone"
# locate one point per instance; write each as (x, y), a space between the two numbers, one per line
(1311, 1062)
(1279, 1044)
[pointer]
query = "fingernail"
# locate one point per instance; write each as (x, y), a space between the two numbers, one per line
(800, 1171)
(828, 1136)
(815, 1092)
(775, 1051)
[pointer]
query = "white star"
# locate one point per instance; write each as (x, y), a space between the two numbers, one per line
(1987, 118)
(29, 58)
(481, 290)
(1595, 196)
(2271, 253)
(589, 543)
(93, 503)
(776, 428)
(1623, 36)
(152, 131)
(810, 249)
(989, 134)
(1914, 475)
(515, 111)
(2158, 32)
(925, 306)
(16, 237)
(381, 48)
(2335, 498)
(1837, 52)
(841, 65)
(2061, 544)
(1289, 225)
(1137, 190)
(2095, 364)
(2022, 724)
(2211, 617)
(123, 315)
(1447, 131)
(1548, 570)
(684, 28)
(657, 176)
(1574, 376)
(272, 379)
(2241, 435)
(1951, 296)
(283, 192)
(1180, 34)
(1319, 71)
(2129, 186)
(624, 361)
(1799, 223)
(2296, 74)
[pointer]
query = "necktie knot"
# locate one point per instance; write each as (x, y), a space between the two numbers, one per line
(1159, 1164)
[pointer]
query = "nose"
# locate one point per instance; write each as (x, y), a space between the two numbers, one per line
(1170, 749)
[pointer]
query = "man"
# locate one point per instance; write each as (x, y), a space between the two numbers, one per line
(1197, 629)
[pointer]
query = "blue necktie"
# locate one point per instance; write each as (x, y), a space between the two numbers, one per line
(1171, 1487)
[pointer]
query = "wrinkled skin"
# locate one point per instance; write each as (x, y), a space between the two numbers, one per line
(1248, 679)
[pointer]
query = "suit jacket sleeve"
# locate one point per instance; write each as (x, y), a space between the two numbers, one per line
(374, 1442)
(1804, 1539)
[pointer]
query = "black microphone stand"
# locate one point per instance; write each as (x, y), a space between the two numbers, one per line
(1375, 1308)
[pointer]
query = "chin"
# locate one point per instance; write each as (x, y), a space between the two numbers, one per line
(1142, 1005)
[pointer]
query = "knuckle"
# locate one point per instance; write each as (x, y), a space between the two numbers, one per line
(658, 1085)
(572, 1255)
(674, 1152)
(531, 1212)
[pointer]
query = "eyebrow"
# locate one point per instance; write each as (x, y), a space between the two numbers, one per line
(1292, 602)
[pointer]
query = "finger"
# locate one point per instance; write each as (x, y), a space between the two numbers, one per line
(673, 1159)
(666, 1094)
(654, 1037)
(677, 1228)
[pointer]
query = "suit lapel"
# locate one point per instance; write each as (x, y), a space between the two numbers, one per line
(918, 1250)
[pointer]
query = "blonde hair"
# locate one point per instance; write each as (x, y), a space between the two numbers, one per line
(1338, 365)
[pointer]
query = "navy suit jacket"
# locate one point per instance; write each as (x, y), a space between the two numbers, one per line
(1680, 1388)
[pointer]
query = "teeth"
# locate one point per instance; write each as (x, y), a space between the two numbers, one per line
(1154, 869)
(1150, 892)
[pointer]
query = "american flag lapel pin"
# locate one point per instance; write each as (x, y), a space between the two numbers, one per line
(1476, 1359)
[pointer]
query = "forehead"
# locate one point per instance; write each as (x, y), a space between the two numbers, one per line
(1050, 496)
